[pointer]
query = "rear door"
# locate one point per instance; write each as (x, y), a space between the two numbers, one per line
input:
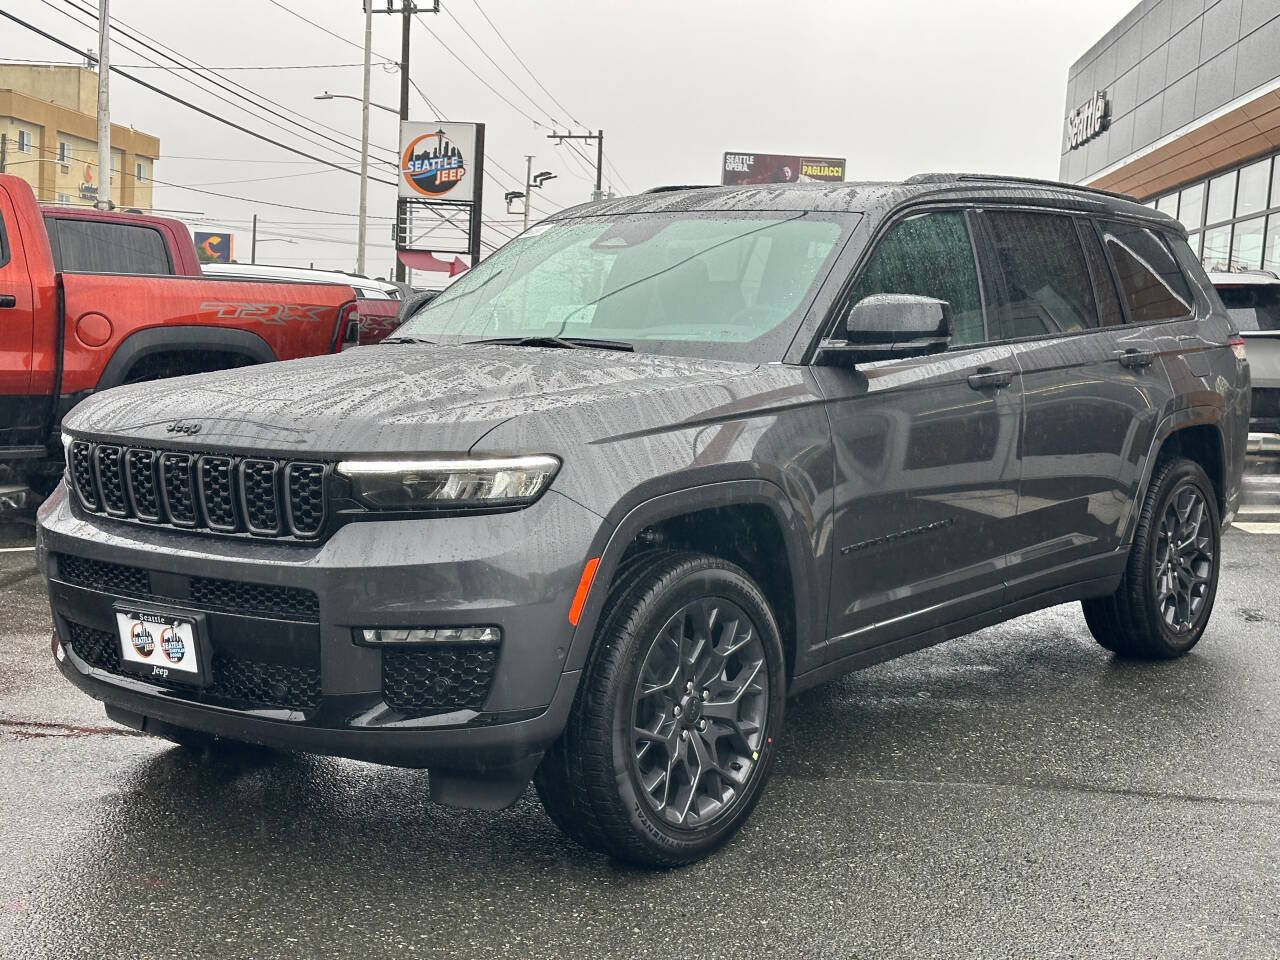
(926, 469)
(21, 413)
(1093, 389)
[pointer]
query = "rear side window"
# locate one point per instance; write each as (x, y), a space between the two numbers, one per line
(1151, 282)
(929, 255)
(94, 246)
(1253, 307)
(1046, 288)
(4, 243)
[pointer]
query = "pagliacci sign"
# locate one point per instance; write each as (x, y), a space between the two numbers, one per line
(1088, 120)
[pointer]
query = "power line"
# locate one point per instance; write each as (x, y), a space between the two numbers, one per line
(461, 26)
(152, 66)
(520, 60)
(176, 99)
(449, 50)
(336, 36)
(159, 48)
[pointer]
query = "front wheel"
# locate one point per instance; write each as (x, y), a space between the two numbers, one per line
(673, 730)
(1163, 603)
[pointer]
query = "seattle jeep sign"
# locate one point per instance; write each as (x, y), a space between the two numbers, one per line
(1087, 121)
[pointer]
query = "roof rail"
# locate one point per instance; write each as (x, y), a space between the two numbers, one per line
(997, 178)
(672, 187)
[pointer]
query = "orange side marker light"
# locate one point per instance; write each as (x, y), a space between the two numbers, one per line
(584, 587)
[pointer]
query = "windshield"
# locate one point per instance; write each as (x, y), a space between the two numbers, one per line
(1253, 306)
(723, 285)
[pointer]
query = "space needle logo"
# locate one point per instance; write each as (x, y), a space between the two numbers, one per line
(432, 165)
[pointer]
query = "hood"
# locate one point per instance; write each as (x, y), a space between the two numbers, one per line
(402, 399)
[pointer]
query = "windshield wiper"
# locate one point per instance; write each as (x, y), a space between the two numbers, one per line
(431, 343)
(568, 343)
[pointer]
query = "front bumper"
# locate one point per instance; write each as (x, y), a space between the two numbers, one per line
(292, 675)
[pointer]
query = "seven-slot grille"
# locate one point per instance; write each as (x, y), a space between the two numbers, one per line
(223, 494)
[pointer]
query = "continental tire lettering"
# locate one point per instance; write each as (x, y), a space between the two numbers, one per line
(272, 314)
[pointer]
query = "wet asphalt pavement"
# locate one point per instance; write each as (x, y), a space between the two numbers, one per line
(1016, 793)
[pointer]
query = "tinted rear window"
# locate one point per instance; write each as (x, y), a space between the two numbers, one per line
(1151, 282)
(93, 246)
(1255, 307)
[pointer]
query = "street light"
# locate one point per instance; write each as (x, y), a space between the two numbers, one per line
(346, 96)
(365, 104)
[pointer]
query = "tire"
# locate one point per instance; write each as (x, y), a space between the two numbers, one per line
(1143, 618)
(591, 782)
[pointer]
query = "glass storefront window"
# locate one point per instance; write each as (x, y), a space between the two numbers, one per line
(1168, 204)
(1191, 207)
(1246, 244)
(1217, 248)
(1222, 198)
(1194, 240)
(1271, 249)
(1251, 197)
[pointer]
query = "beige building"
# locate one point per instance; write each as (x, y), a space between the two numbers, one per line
(48, 122)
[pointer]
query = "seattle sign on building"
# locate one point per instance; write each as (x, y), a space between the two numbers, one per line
(1088, 120)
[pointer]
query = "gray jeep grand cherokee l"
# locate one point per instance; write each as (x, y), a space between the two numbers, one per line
(653, 467)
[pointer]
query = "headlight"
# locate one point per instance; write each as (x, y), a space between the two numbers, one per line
(440, 484)
(66, 446)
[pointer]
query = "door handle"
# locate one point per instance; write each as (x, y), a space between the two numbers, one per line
(986, 377)
(1133, 358)
(8, 300)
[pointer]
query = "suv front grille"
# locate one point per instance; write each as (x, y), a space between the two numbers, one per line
(232, 679)
(256, 496)
(440, 680)
(206, 593)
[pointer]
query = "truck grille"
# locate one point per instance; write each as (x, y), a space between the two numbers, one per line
(234, 680)
(254, 496)
(423, 682)
(206, 593)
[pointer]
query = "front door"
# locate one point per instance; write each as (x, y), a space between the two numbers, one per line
(926, 469)
(21, 413)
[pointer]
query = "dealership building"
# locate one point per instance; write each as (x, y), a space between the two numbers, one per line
(1178, 105)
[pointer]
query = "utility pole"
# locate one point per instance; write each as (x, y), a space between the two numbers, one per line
(253, 241)
(598, 137)
(104, 107)
(407, 10)
(363, 226)
(528, 186)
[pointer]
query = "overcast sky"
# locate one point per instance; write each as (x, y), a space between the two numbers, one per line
(896, 87)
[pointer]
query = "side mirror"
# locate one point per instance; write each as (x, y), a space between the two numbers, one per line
(887, 326)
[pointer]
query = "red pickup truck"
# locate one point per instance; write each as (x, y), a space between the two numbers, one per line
(89, 301)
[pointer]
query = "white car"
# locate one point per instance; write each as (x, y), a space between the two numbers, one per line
(1253, 300)
(366, 288)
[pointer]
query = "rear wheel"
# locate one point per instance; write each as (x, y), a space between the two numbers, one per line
(1163, 603)
(671, 737)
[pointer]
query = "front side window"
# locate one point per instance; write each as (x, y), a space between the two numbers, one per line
(1151, 282)
(1047, 288)
(719, 285)
(93, 246)
(929, 255)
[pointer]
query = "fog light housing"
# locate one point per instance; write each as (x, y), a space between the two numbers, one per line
(429, 636)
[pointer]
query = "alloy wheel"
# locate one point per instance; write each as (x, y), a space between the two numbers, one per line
(1184, 558)
(699, 712)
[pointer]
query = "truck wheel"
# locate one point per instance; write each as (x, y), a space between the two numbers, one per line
(1163, 603)
(673, 730)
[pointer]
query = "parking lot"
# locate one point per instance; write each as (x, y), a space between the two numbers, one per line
(1015, 793)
